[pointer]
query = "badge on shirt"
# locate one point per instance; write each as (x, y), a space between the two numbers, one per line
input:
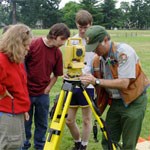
(122, 58)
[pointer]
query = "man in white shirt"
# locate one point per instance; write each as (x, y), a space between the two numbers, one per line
(83, 22)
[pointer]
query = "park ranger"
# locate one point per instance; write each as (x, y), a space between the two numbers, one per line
(124, 82)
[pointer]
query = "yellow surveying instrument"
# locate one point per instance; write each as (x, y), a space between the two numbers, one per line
(74, 63)
(74, 57)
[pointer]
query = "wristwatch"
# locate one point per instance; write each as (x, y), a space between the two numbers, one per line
(97, 81)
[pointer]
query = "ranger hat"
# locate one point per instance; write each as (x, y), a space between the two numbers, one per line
(94, 36)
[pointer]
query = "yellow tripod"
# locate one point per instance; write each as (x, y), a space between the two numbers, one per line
(57, 125)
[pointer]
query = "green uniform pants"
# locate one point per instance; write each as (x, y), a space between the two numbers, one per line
(125, 122)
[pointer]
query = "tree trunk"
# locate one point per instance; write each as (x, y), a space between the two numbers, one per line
(14, 20)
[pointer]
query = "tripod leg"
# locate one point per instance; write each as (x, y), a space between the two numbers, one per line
(58, 109)
(97, 117)
(58, 121)
(95, 130)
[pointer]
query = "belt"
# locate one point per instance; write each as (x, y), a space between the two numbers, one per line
(9, 114)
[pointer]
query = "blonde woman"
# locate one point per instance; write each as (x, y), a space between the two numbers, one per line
(14, 99)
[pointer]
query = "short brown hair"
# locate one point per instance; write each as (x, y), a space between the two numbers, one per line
(59, 29)
(83, 17)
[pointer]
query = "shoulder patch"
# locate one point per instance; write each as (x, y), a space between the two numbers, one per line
(122, 58)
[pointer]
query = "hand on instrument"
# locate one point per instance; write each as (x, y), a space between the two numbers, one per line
(87, 79)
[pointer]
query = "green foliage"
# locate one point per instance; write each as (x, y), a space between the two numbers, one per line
(124, 13)
(109, 14)
(30, 12)
(44, 13)
(140, 12)
(93, 6)
(5, 14)
(69, 12)
(47, 13)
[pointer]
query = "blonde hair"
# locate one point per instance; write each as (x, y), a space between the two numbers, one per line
(6, 28)
(13, 41)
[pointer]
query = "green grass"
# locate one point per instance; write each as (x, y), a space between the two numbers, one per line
(140, 40)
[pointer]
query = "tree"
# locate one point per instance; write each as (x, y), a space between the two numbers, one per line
(125, 9)
(93, 6)
(44, 11)
(135, 12)
(31, 11)
(4, 15)
(140, 12)
(146, 14)
(110, 14)
(10, 6)
(49, 12)
(69, 12)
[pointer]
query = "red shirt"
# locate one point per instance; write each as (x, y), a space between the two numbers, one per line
(13, 78)
(40, 62)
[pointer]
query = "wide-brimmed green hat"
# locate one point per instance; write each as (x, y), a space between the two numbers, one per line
(94, 36)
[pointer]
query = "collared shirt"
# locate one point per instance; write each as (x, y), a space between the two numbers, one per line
(127, 59)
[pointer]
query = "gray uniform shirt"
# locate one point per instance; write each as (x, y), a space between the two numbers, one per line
(127, 59)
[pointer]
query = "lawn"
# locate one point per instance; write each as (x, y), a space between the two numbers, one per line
(140, 40)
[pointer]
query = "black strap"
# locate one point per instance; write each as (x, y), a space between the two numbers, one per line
(110, 143)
